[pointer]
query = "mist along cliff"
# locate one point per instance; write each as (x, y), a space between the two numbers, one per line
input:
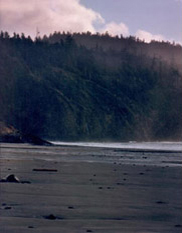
(91, 87)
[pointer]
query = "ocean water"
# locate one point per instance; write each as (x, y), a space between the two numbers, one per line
(167, 146)
(165, 154)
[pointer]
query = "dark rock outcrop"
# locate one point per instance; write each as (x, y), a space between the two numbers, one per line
(32, 139)
(10, 135)
(18, 138)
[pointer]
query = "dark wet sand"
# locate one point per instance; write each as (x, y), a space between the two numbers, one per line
(84, 196)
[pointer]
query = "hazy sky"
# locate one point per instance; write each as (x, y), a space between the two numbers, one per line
(146, 19)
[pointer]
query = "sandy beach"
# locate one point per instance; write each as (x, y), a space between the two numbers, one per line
(72, 189)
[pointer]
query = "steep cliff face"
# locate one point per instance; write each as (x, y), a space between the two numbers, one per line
(68, 91)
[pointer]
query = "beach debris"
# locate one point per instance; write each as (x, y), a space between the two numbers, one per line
(7, 208)
(161, 202)
(118, 219)
(119, 183)
(25, 182)
(178, 225)
(30, 227)
(51, 217)
(70, 207)
(44, 170)
(13, 179)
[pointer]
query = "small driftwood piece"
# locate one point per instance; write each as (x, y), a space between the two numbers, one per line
(44, 170)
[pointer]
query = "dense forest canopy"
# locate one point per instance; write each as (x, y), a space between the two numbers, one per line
(91, 87)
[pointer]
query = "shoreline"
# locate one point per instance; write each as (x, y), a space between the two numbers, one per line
(76, 153)
(98, 145)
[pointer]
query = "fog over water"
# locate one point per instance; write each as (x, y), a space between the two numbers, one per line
(171, 146)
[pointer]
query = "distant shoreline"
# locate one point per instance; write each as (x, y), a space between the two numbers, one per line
(77, 153)
(163, 147)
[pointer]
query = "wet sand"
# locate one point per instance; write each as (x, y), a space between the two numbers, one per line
(76, 189)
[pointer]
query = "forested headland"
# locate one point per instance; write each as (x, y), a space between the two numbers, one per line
(91, 87)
